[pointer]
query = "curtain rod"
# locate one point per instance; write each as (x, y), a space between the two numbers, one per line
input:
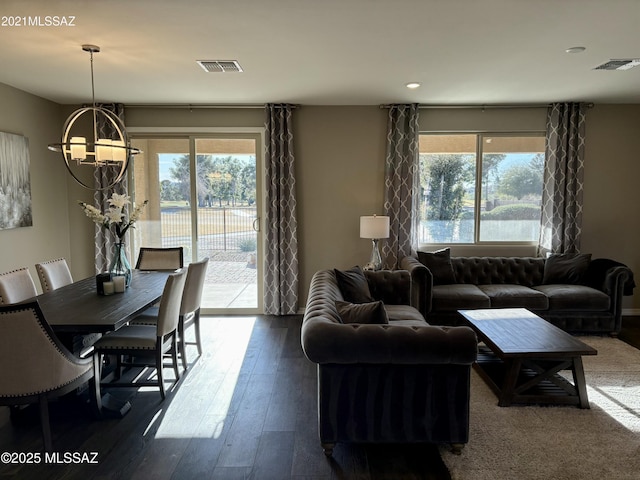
(195, 106)
(485, 107)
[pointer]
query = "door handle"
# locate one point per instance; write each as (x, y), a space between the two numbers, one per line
(256, 224)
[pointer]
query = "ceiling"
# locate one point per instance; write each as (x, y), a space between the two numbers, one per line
(324, 52)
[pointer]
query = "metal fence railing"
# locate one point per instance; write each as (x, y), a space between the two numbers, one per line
(219, 228)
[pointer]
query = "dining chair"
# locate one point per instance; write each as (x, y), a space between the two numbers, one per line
(150, 258)
(53, 274)
(16, 286)
(140, 340)
(37, 367)
(189, 309)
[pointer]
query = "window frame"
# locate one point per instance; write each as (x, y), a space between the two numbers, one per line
(480, 135)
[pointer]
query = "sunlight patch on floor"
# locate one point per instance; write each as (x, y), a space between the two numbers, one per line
(622, 403)
(205, 415)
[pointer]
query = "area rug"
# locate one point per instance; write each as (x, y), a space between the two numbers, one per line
(559, 442)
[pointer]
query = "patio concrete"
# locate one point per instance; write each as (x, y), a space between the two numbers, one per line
(230, 283)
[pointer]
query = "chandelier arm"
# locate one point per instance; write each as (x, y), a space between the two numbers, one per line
(84, 185)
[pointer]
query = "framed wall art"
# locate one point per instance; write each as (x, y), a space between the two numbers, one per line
(15, 182)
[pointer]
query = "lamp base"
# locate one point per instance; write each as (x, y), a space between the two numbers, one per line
(375, 262)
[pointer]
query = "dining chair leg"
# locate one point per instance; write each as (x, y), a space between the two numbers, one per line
(196, 326)
(174, 356)
(44, 422)
(183, 344)
(159, 357)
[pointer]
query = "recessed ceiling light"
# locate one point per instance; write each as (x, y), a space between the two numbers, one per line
(412, 85)
(575, 50)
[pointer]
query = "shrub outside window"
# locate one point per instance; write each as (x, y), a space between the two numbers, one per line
(480, 187)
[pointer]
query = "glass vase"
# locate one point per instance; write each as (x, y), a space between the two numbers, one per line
(120, 263)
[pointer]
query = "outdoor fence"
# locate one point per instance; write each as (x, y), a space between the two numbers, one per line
(219, 228)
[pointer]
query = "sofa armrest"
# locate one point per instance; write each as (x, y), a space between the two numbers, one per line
(615, 279)
(326, 342)
(421, 284)
(393, 287)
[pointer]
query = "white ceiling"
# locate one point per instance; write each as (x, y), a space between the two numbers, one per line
(325, 52)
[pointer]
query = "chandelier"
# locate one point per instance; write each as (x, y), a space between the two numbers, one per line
(97, 152)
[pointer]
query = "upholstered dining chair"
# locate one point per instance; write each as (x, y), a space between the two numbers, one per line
(143, 340)
(54, 274)
(36, 366)
(160, 258)
(189, 309)
(16, 286)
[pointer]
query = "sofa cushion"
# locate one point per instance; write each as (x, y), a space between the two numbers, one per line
(566, 268)
(439, 264)
(515, 296)
(372, 312)
(458, 297)
(403, 312)
(574, 297)
(353, 285)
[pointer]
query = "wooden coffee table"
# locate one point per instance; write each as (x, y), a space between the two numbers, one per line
(522, 355)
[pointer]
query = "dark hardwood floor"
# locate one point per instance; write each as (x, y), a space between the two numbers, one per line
(245, 410)
(630, 331)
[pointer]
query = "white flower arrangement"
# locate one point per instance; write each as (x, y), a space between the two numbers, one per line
(115, 215)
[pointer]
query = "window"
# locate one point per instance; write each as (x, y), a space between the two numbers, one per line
(480, 187)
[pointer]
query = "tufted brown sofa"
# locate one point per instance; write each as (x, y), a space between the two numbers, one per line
(590, 306)
(404, 381)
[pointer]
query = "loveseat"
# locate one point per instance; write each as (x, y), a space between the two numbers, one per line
(396, 380)
(571, 291)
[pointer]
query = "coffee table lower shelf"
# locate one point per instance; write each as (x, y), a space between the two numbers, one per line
(532, 380)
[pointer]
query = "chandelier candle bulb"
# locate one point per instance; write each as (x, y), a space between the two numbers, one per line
(119, 151)
(78, 148)
(103, 151)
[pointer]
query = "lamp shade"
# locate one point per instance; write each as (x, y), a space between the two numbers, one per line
(374, 226)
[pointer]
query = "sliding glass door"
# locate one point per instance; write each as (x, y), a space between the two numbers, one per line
(204, 195)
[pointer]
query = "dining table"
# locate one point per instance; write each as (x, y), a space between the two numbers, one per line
(77, 308)
(79, 315)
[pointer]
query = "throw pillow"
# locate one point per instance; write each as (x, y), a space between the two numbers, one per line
(353, 285)
(567, 268)
(373, 312)
(439, 263)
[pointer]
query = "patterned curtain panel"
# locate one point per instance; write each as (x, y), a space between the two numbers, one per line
(401, 183)
(561, 221)
(281, 252)
(104, 239)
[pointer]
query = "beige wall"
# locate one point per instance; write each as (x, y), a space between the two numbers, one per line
(340, 176)
(340, 169)
(40, 121)
(611, 222)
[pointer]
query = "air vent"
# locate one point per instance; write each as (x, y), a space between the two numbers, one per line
(619, 64)
(220, 66)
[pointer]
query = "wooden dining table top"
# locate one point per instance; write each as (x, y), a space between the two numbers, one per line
(78, 307)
